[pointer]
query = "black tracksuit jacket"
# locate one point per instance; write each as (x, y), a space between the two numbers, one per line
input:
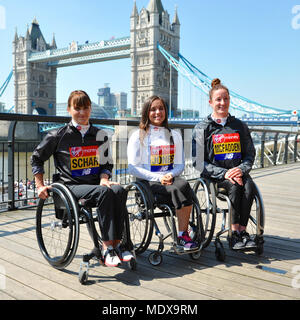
(79, 160)
(217, 148)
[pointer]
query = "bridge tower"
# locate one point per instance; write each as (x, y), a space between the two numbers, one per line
(151, 73)
(35, 83)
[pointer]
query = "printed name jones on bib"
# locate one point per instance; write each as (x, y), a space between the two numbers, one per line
(84, 160)
(227, 146)
(162, 158)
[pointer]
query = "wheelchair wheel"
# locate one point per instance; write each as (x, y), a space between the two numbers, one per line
(207, 201)
(219, 251)
(140, 217)
(195, 255)
(83, 277)
(256, 222)
(196, 228)
(155, 258)
(57, 226)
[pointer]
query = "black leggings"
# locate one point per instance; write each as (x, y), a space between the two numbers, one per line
(111, 204)
(241, 198)
(179, 193)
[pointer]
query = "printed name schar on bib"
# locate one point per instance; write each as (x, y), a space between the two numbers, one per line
(84, 160)
(162, 158)
(227, 146)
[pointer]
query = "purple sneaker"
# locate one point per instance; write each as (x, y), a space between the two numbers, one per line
(186, 242)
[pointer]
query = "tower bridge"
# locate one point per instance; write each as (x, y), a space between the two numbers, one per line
(36, 61)
(156, 64)
(76, 54)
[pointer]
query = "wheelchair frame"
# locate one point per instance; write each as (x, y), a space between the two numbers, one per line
(208, 190)
(65, 220)
(143, 222)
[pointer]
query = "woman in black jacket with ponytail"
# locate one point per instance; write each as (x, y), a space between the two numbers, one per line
(223, 150)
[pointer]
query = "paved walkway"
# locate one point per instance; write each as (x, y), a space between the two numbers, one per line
(241, 276)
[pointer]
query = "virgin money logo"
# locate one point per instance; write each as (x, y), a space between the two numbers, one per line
(219, 138)
(76, 151)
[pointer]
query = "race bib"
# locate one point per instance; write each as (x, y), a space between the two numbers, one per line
(227, 146)
(84, 160)
(162, 158)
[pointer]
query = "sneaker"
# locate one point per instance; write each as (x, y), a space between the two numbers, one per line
(236, 241)
(186, 242)
(111, 258)
(247, 241)
(123, 254)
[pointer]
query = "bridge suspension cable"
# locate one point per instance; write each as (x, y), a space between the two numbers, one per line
(203, 82)
(5, 84)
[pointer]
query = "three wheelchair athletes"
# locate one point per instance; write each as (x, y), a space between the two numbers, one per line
(156, 159)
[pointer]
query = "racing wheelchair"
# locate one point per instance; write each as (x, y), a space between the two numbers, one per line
(208, 193)
(58, 220)
(144, 208)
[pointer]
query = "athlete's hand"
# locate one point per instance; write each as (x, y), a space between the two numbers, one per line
(167, 179)
(234, 175)
(106, 183)
(43, 192)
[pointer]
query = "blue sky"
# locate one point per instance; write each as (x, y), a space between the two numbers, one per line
(253, 46)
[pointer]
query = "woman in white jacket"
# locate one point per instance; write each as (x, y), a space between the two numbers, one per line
(155, 154)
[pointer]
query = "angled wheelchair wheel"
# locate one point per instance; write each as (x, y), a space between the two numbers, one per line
(140, 215)
(57, 226)
(207, 203)
(256, 222)
(196, 228)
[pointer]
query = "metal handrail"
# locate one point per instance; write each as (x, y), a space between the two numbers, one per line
(287, 146)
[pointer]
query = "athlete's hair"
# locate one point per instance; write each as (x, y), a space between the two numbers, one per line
(79, 98)
(216, 84)
(144, 122)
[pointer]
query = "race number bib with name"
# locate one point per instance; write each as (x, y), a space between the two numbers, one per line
(84, 160)
(227, 146)
(162, 158)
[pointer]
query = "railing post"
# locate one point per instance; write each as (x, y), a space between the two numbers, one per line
(296, 147)
(286, 148)
(262, 150)
(275, 148)
(11, 165)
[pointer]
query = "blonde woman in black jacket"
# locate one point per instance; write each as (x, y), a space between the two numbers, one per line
(223, 151)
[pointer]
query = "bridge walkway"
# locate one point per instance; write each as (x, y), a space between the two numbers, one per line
(241, 276)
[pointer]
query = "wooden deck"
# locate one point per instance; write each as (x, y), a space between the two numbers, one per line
(24, 273)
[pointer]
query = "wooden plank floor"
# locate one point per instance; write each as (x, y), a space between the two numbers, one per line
(24, 273)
